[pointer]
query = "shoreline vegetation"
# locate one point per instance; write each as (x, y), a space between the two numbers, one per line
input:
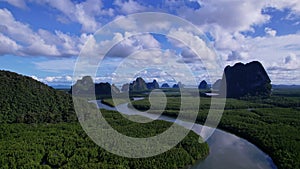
(66, 145)
(39, 129)
(39, 122)
(272, 124)
(113, 102)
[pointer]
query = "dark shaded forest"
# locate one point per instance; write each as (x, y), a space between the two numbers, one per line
(65, 145)
(25, 100)
(39, 129)
(272, 124)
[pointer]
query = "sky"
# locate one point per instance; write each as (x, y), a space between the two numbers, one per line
(44, 39)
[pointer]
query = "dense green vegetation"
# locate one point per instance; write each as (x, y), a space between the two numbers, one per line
(108, 102)
(39, 129)
(272, 124)
(25, 100)
(113, 103)
(65, 145)
(174, 104)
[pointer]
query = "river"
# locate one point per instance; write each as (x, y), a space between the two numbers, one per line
(227, 151)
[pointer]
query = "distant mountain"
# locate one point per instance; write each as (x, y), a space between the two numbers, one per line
(25, 100)
(203, 85)
(217, 84)
(125, 87)
(152, 85)
(61, 86)
(178, 85)
(86, 86)
(138, 85)
(165, 85)
(249, 79)
(286, 86)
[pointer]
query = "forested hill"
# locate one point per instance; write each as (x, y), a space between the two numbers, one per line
(25, 100)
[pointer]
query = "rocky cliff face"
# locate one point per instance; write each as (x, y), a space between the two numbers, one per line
(86, 86)
(153, 85)
(165, 85)
(246, 79)
(178, 85)
(217, 84)
(203, 85)
(125, 87)
(138, 85)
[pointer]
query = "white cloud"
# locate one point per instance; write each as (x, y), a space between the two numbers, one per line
(132, 43)
(15, 29)
(8, 45)
(289, 63)
(84, 13)
(232, 16)
(68, 43)
(272, 49)
(235, 55)
(192, 41)
(40, 48)
(57, 79)
(278, 54)
(35, 78)
(270, 31)
(20, 39)
(16, 3)
(225, 20)
(293, 5)
(128, 7)
(292, 62)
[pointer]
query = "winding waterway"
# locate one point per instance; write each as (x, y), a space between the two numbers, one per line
(227, 151)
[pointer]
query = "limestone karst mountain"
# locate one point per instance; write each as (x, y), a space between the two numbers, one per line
(249, 79)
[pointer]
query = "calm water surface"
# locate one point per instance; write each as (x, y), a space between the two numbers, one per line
(227, 151)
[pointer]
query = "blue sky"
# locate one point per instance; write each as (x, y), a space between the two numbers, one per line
(43, 39)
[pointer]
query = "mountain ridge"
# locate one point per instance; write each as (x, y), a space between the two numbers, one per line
(26, 100)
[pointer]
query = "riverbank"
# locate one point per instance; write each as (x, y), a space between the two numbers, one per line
(275, 130)
(66, 145)
(247, 157)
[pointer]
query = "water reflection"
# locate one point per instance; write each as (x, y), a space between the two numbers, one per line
(227, 151)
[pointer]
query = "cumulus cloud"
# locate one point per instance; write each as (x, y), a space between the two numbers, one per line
(289, 63)
(236, 56)
(16, 3)
(21, 35)
(133, 44)
(292, 5)
(19, 39)
(292, 62)
(270, 31)
(192, 41)
(189, 56)
(55, 80)
(278, 54)
(271, 49)
(242, 16)
(225, 20)
(128, 7)
(84, 13)
(8, 45)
